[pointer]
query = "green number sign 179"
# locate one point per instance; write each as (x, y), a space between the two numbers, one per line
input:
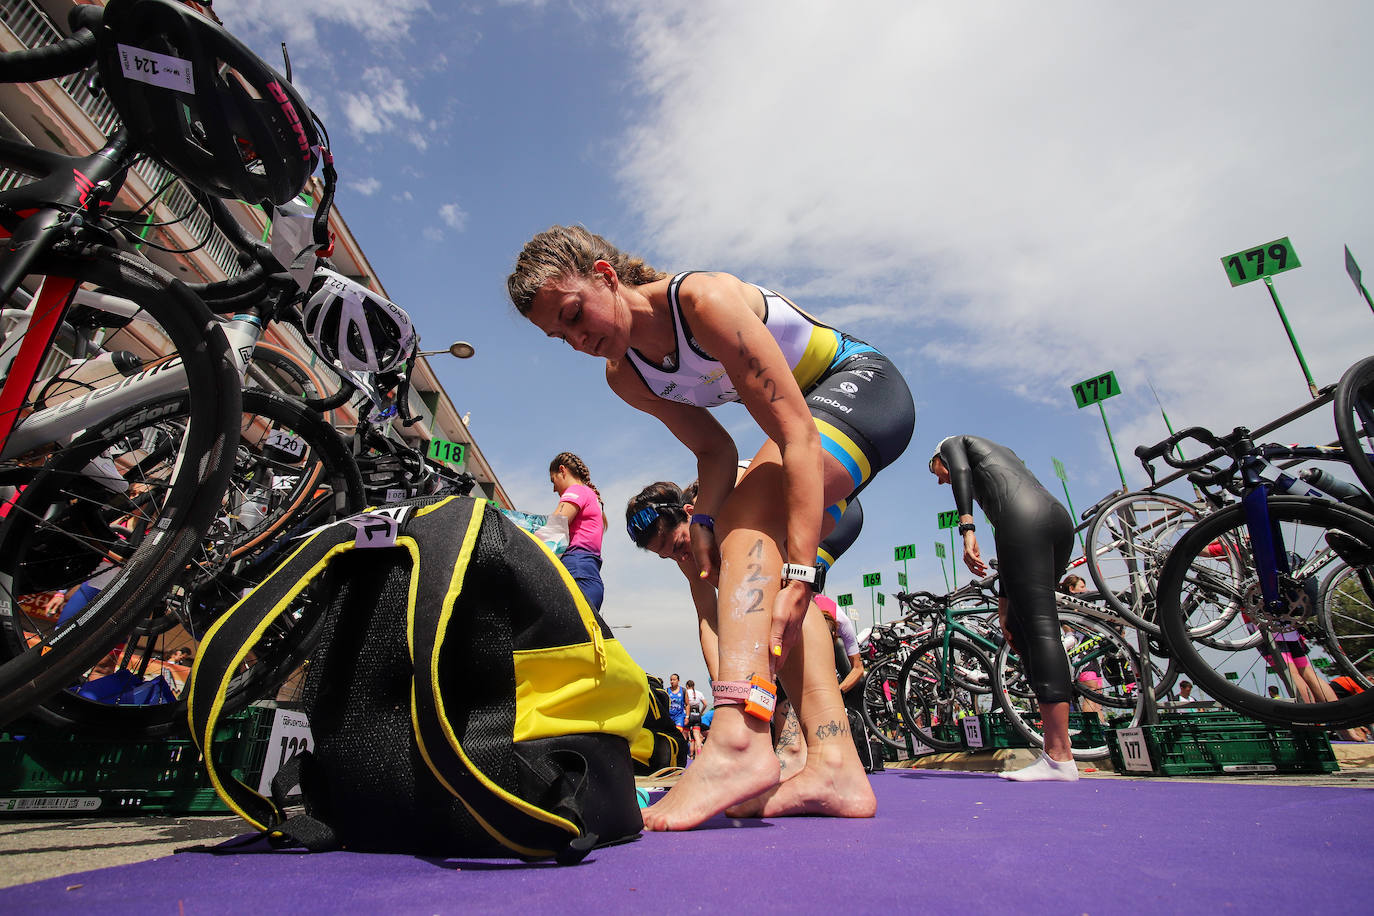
(905, 552)
(872, 579)
(1261, 261)
(1097, 388)
(443, 450)
(948, 519)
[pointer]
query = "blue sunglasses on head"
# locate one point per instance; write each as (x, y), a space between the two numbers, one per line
(641, 525)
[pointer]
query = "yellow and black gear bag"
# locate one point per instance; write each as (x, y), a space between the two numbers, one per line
(464, 698)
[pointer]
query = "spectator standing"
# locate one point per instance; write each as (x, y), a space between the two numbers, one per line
(579, 501)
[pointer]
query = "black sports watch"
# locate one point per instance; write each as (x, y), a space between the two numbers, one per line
(812, 575)
(967, 526)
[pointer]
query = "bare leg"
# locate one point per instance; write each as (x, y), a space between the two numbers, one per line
(788, 743)
(833, 781)
(1055, 717)
(740, 763)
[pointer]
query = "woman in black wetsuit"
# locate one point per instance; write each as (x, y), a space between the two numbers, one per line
(1034, 539)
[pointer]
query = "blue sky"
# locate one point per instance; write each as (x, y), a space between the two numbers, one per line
(1005, 198)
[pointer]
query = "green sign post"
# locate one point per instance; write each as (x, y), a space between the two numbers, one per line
(1261, 263)
(1353, 270)
(902, 555)
(1095, 390)
(940, 552)
(446, 451)
(950, 520)
(1063, 476)
(871, 582)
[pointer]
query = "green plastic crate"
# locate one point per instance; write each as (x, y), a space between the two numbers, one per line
(1203, 746)
(994, 731)
(48, 774)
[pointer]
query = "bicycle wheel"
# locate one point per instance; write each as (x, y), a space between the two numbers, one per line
(292, 471)
(1235, 661)
(1354, 407)
(1128, 541)
(936, 688)
(1105, 673)
(1346, 615)
(110, 518)
(880, 708)
(282, 371)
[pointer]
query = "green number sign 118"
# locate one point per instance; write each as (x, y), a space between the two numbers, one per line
(444, 450)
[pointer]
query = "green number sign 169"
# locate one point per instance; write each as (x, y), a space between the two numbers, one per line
(872, 579)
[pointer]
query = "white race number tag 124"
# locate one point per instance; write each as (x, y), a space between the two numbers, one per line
(157, 69)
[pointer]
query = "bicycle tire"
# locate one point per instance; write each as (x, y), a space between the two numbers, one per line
(930, 694)
(1098, 648)
(879, 706)
(1354, 408)
(192, 490)
(1129, 539)
(305, 384)
(1346, 615)
(1307, 526)
(329, 487)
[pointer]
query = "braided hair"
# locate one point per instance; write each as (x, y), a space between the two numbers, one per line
(578, 468)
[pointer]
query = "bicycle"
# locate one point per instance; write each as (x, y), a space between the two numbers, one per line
(1354, 408)
(144, 509)
(1242, 587)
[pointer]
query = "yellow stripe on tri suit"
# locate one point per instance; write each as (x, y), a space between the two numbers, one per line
(820, 351)
(845, 451)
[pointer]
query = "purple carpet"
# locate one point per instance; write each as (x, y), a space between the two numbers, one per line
(942, 842)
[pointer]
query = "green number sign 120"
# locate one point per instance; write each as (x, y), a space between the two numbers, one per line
(1261, 261)
(1097, 388)
(905, 552)
(948, 519)
(444, 450)
(872, 579)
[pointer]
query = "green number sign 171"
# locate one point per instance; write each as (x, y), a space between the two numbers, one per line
(1261, 261)
(905, 552)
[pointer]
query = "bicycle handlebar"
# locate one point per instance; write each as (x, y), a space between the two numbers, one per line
(1219, 447)
(68, 55)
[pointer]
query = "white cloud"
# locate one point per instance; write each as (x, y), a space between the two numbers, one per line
(382, 106)
(299, 23)
(366, 186)
(1044, 190)
(453, 216)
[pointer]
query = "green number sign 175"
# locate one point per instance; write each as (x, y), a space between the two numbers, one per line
(948, 519)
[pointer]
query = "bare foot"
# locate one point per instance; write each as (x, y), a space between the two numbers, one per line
(833, 784)
(738, 765)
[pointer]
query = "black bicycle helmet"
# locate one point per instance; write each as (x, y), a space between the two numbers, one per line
(205, 105)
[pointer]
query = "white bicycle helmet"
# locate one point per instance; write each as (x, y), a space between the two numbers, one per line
(356, 329)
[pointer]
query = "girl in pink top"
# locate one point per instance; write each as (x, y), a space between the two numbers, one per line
(579, 501)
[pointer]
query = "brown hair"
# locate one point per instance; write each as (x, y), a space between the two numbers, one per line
(579, 470)
(1068, 583)
(564, 251)
(667, 499)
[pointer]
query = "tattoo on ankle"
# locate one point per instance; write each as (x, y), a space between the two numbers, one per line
(831, 729)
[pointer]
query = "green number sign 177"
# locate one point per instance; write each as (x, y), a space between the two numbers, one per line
(1097, 388)
(1261, 261)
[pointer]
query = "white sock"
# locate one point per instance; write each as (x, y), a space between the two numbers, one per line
(1044, 770)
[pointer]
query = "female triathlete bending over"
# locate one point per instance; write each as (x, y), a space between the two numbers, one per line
(835, 412)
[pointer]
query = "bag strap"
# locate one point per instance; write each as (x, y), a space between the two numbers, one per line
(515, 823)
(225, 647)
